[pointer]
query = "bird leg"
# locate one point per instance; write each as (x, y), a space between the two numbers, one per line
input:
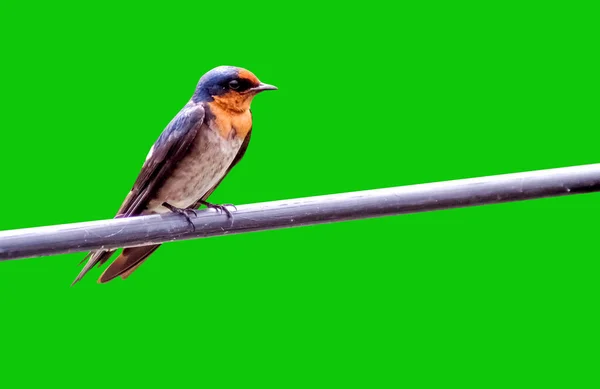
(182, 211)
(219, 208)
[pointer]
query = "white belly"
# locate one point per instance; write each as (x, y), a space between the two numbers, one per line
(206, 162)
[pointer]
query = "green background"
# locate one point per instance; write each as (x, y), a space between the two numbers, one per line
(371, 96)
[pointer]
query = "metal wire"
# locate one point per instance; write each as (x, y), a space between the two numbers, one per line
(139, 231)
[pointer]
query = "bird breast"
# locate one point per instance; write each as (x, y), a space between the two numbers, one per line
(205, 163)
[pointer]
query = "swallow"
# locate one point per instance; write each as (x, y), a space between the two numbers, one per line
(192, 155)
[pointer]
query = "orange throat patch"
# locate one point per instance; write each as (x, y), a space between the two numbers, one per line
(231, 123)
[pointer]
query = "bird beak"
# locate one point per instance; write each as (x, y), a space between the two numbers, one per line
(262, 87)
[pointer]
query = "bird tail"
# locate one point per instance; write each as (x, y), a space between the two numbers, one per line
(95, 258)
(126, 263)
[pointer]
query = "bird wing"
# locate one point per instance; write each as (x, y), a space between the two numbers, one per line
(133, 257)
(162, 158)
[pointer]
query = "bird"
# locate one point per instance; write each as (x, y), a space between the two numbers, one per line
(190, 158)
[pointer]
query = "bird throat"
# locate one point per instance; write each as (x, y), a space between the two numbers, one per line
(230, 120)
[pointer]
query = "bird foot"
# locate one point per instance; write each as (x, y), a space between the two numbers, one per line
(221, 208)
(182, 211)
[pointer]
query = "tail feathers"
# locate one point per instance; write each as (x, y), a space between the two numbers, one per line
(95, 258)
(126, 263)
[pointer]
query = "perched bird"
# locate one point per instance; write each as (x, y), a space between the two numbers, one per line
(196, 150)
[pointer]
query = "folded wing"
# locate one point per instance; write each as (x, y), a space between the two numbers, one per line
(169, 149)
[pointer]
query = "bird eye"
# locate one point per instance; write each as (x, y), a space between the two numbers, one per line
(234, 84)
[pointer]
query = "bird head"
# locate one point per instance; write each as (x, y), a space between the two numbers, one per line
(230, 87)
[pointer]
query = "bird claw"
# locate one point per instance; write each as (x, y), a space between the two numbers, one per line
(221, 208)
(185, 212)
(190, 210)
